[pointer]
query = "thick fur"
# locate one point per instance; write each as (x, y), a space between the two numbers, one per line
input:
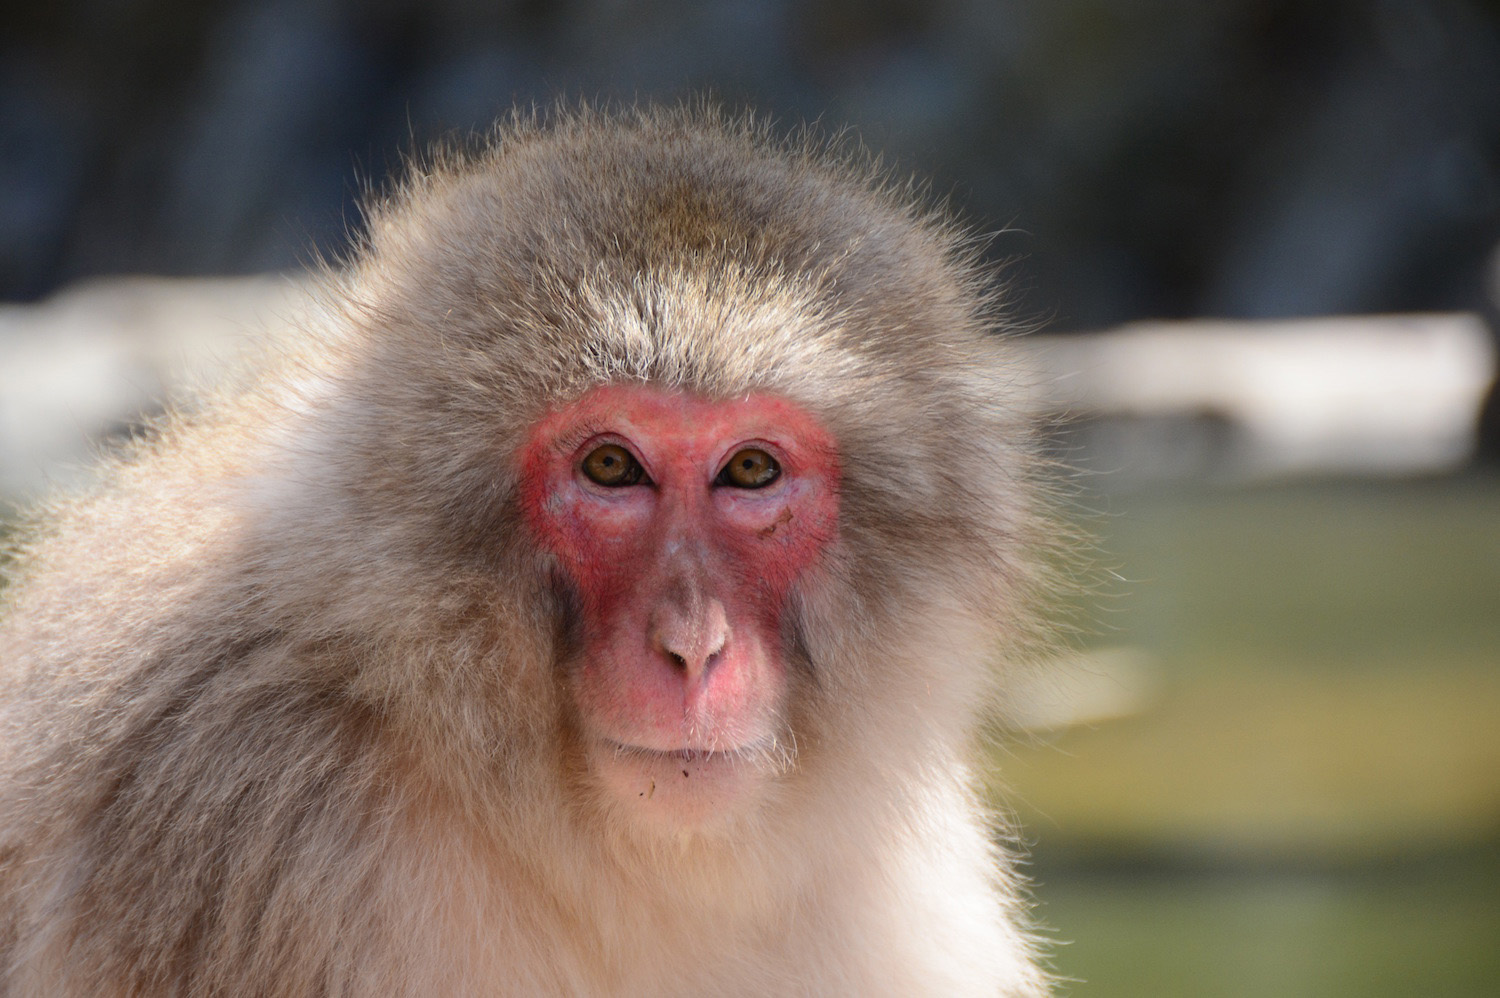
(281, 699)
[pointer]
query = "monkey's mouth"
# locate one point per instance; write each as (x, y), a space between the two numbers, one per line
(686, 788)
(740, 754)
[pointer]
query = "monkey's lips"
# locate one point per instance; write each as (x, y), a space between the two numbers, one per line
(745, 754)
(684, 788)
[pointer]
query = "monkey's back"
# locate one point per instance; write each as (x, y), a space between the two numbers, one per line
(145, 726)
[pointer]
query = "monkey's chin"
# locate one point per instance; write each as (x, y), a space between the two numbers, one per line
(685, 790)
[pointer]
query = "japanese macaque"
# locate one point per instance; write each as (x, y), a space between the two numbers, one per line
(603, 596)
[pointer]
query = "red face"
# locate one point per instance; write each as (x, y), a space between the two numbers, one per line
(682, 524)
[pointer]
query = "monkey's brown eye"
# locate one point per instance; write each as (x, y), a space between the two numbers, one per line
(613, 466)
(751, 468)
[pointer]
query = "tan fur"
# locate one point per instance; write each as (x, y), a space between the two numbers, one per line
(280, 704)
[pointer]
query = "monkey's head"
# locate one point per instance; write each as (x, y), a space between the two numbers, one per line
(699, 450)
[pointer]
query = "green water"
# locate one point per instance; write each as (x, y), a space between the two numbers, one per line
(1310, 805)
(1377, 933)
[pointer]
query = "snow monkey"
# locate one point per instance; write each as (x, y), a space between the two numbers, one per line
(601, 595)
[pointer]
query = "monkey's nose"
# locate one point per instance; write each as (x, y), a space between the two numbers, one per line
(692, 638)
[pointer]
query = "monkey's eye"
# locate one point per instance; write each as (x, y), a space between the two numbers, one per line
(613, 466)
(751, 468)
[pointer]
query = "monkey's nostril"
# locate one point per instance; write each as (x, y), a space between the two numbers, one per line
(678, 660)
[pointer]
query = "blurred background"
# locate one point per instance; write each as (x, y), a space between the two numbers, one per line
(1259, 239)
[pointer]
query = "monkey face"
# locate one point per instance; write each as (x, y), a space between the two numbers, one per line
(682, 524)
